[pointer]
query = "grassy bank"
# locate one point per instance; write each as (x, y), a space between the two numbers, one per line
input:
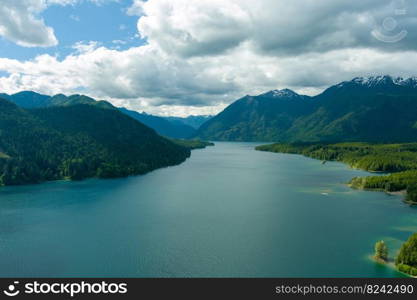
(399, 160)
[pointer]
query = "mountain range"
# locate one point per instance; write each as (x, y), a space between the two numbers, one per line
(173, 127)
(371, 109)
(193, 121)
(161, 125)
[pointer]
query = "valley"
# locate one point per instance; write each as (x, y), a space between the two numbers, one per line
(366, 123)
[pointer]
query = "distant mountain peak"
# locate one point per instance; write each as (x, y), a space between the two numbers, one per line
(411, 81)
(374, 81)
(27, 93)
(285, 93)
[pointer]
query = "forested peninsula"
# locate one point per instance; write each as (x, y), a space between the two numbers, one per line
(398, 161)
(80, 141)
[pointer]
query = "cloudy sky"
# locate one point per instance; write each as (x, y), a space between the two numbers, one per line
(181, 57)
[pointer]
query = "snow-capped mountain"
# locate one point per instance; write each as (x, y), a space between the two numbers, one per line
(371, 109)
(378, 81)
(410, 82)
(285, 93)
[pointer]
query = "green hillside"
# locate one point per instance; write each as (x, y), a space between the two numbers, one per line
(169, 127)
(77, 142)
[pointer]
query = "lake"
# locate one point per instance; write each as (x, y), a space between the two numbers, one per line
(228, 211)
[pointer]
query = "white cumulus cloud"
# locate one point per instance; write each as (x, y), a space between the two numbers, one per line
(209, 27)
(20, 23)
(201, 55)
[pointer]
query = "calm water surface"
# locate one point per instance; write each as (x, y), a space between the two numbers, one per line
(227, 211)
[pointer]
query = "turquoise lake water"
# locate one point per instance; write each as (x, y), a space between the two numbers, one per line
(228, 211)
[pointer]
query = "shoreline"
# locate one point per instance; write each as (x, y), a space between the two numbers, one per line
(355, 182)
(390, 264)
(402, 193)
(198, 145)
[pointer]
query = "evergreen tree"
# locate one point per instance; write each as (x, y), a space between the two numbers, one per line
(381, 251)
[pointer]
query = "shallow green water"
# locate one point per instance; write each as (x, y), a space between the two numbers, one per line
(227, 211)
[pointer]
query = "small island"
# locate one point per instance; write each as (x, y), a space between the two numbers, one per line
(405, 261)
(381, 252)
